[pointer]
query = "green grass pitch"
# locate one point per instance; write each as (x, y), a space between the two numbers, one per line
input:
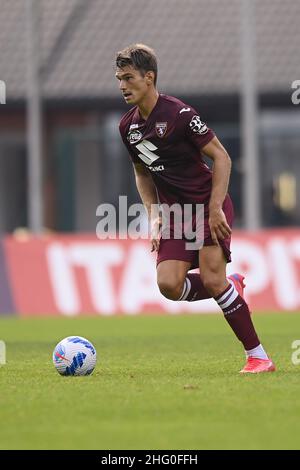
(161, 382)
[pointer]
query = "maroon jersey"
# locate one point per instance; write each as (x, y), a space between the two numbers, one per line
(169, 145)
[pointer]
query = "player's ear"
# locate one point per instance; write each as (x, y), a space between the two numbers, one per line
(149, 77)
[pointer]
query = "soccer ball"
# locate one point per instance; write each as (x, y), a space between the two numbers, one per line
(74, 356)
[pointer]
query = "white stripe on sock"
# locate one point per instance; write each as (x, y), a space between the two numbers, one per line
(225, 295)
(231, 299)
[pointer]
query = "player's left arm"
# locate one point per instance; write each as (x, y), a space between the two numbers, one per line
(220, 180)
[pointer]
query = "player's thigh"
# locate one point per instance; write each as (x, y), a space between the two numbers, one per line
(172, 273)
(212, 264)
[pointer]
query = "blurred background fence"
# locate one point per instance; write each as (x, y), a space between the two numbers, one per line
(199, 48)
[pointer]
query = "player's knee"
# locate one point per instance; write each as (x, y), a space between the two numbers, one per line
(213, 284)
(170, 287)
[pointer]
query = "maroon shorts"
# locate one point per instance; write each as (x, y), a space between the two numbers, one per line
(175, 249)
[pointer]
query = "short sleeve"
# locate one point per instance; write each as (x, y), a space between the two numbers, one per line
(133, 157)
(195, 129)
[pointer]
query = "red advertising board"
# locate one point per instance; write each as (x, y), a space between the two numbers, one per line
(77, 275)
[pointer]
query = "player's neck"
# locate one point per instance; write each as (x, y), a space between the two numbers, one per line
(147, 104)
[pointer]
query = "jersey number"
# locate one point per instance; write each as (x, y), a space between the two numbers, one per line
(147, 155)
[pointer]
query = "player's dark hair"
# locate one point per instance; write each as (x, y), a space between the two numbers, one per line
(140, 57)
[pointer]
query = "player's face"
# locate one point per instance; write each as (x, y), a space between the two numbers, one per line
(133, 85)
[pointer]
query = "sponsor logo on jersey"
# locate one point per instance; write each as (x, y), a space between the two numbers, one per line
(134, 136)
(198, 126)
(156, 168)
(147, 150)
(161, 128)
(133, 126)
(184, 110)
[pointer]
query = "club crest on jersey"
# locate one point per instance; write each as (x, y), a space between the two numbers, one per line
(134, 136)
(198, 126)
(161, 128)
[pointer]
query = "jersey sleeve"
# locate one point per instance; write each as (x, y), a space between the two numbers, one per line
(195, 130)
(134, 158)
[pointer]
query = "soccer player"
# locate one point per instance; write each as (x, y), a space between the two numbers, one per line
(166, 140)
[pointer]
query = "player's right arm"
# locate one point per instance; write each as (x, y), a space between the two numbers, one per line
(144, 184)
(148, 194)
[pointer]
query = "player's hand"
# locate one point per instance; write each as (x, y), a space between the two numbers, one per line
(218, 225)
(155, 233)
